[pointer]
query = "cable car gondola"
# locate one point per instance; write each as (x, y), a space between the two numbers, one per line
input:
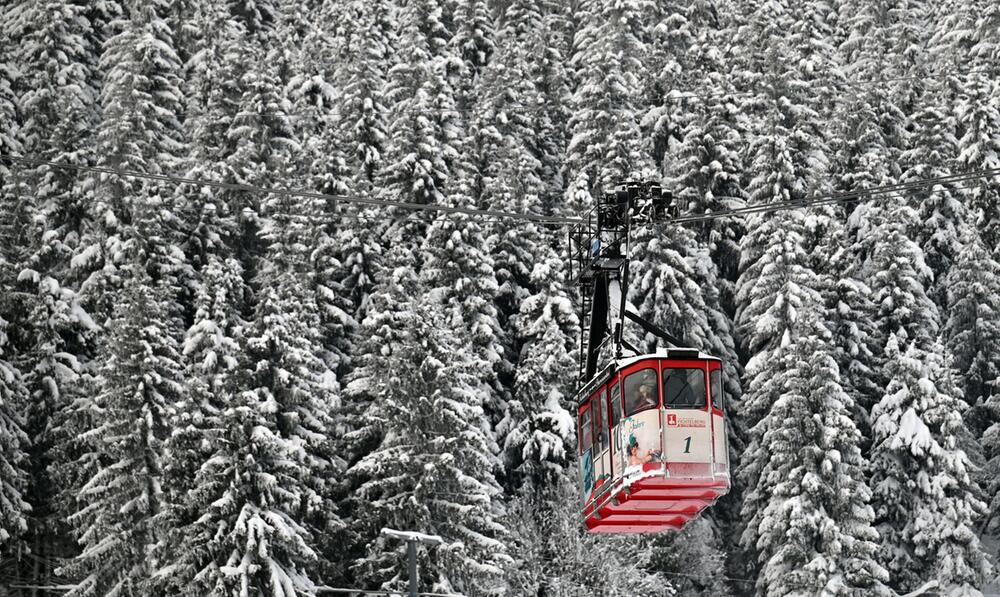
(652, 427)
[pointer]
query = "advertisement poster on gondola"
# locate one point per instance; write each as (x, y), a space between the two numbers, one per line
(640, 441)
(586, 476)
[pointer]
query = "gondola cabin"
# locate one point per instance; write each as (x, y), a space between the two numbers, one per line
(652, 440)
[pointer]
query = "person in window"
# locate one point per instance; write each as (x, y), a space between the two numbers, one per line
(647, 396)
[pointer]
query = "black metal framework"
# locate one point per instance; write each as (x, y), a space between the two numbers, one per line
(599, 260)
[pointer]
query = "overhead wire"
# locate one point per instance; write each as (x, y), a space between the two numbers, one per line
(670, 97)
(497, 215)
(844, 197)
(292, 192)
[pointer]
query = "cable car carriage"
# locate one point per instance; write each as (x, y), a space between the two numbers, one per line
(653, 447)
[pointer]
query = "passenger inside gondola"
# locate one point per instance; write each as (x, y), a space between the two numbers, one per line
(640, 392)
(647, 396)
(684, 388)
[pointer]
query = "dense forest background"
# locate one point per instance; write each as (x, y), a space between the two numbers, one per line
(209, 390)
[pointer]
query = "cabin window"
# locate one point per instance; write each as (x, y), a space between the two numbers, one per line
(715, 377)
(684, 388)
(640, 392)
(586, 438)
(600, 408)
(616, 404)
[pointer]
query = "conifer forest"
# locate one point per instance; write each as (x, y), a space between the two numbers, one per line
(258, 301)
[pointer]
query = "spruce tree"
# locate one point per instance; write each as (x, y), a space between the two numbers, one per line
(553, 555)
(211, 357)
(926, 504)
(898, 278)
(941, 215)
(973, 322)
(139, 383)
(421, 106)
(258, 489)
(212, 90)
(704, 173)
(286, 352)
(609, 54)
(970, 333)
(964, 49)
(434, 469)
(783, 288)
(14, 445)
(849, 312)
(549, 72)
(473, 43)
(810, 523)
(537, 429)
(140, 130)
(363, 78)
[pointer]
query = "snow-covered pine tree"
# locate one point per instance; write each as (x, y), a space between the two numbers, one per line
(421, 102)
(703, 170)
(926, 504)
(139, 382)
(249, 538)
(898, 278)
(382, 333)
(773, 292)
(54, 50)
(549, 72)
(264, 139)
(538, 428)
(473, 44)
(970, 336)
(57, 57)
(553, 555)
(212, 91)
(965, 38)
(972, 329)
(211, 357)
(10, 144)
(140, 130)
(458, 272)
(809, 519)
(368, 41)
(263, 494)
(871, 130)
(788, 156)
(435, 468)
(978, 120)
(672, 65)
(14, 507)
(989, 474)
(503, 170)
(941, 214)
(286, 351)
(324, 158)
(849, 318)
(14, 444)
(609, 54)
(362, 77)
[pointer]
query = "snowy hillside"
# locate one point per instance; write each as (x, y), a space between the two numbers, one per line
(252, 311)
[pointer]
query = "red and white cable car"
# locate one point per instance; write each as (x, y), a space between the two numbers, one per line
(652, 427)
(653, 446)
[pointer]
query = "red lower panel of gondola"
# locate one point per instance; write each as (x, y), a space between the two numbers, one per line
(652, 504)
